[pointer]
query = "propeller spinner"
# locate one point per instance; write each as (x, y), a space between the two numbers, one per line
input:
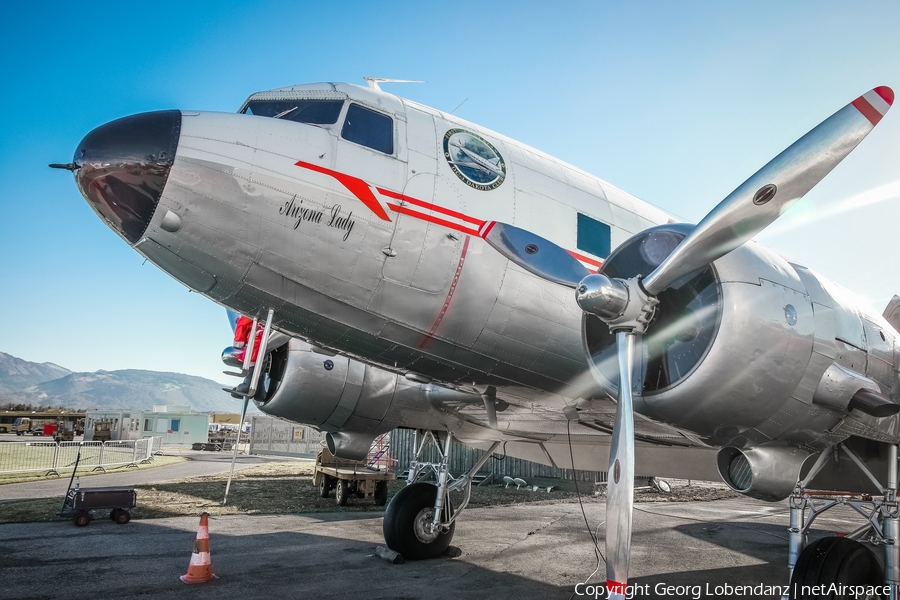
(628, 306)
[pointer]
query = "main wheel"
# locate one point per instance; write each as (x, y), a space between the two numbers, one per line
(325, 486)
(380, 493)
(341, 492)
(407, 520)
(834, 560)
(82, 518)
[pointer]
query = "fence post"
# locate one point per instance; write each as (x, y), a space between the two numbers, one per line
(100, 460)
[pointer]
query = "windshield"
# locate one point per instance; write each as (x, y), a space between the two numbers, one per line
(315, 112)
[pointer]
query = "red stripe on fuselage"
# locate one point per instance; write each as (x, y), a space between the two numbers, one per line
(430, 206)
(462, 259)
(587, 259)
(357, 187)
(432, 219)
(363, 193)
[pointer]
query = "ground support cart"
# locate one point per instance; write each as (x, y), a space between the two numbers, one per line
(118, 500)
(350, 478)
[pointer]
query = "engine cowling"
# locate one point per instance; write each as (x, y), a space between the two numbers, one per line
(736, 350)
(352, 401)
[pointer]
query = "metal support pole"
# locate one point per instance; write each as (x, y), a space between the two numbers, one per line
(253, 382)
(442, 485)
(820, 462)
(891, 526)
(237, 441)
(797, 540)
(257, 368)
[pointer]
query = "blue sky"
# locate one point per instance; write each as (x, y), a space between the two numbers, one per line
(675, 102)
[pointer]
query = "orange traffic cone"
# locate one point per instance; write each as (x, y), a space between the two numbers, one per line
(200, 569)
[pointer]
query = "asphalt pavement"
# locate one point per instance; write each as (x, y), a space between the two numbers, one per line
(680, 550)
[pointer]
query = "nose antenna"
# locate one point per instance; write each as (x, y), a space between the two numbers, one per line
(67, 166)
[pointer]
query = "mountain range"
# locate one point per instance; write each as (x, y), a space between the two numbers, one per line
(48, 384)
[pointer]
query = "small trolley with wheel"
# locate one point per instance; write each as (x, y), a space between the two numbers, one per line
(350, 478)
(81, 501)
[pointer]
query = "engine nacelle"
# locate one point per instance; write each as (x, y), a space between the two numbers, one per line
(768, 472)
(737, 350)
(352, 401)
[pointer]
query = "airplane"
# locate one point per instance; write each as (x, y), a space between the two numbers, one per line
(524, 307)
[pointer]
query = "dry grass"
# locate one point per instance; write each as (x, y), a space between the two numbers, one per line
(287, 488)
(86, 471)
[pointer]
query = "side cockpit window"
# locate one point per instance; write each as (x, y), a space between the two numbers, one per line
(315, 112)
(369, 128)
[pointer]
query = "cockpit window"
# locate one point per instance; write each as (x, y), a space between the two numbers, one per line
(369, 128)
(316, 112)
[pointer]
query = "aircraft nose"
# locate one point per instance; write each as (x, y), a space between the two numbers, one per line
(121, 168)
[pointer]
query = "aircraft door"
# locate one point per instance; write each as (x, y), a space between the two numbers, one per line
(422, 254)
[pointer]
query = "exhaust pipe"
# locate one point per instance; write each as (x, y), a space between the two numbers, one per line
(352, 446)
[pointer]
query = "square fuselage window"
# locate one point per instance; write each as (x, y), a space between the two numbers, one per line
(593, 236)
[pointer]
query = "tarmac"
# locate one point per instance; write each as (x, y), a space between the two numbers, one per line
(540, 551)
(679, 550)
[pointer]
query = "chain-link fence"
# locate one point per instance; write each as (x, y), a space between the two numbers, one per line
(270, 435)
(53, 457)
(462, 457)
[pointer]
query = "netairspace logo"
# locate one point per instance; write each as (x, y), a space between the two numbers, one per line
(696, 592)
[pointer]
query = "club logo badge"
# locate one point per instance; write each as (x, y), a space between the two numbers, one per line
(474, 160)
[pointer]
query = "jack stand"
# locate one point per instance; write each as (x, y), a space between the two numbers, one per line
(882, 516)
(891, 517)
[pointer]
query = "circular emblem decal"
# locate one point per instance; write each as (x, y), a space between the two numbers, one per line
(474, 160)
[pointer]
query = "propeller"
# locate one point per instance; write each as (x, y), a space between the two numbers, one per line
(628, 306)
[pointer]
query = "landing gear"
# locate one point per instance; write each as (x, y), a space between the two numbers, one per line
(834, 560)
(420, 520)
(407, 523)
(845, 560)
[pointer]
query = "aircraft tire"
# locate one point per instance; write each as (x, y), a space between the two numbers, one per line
(834, 560)
(414, 505)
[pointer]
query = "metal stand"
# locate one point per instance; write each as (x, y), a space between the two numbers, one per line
(882, 516)
(444, 514)
(891, 526)
(254, 381)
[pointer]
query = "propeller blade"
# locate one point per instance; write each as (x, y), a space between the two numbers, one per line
(534, 253)
(773, 189)
(620, 483)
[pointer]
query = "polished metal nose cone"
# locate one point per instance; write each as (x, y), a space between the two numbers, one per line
(121, 168)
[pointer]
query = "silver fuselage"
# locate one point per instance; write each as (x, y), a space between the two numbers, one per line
(379, 257)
